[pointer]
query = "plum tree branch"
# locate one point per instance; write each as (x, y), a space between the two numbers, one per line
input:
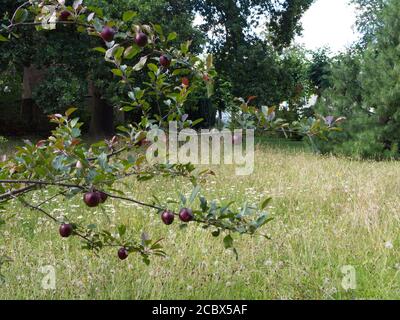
(215, 223)
(76, 233)
(6, 196)
(27, 204)
(37, 208)
(110, 155)
(134, 201)
(21, 24)
(41, 183)
(51, 198)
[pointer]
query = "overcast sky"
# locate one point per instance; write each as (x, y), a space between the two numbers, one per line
(329, 23)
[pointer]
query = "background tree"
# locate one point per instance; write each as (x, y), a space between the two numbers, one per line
(364, 87)
(319, 70)
(380, 77)
(368, 18)
(243, 55)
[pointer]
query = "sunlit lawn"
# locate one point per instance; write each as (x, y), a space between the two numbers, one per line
(329, 213)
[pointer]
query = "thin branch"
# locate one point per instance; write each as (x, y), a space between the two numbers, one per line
(214, 223)
(42, 183)
(12, 26)
(51, 198)
(37, 208)
(113, 154)
(10, 194)
(135, 201)
(27, 204)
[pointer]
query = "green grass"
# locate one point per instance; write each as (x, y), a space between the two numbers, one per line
(329, 213)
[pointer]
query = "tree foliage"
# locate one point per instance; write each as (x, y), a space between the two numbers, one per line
(368, 20)
(365, 89)
(250, 60)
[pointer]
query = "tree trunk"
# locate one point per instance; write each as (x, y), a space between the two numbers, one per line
(119, 117)
(29, 111)
(102, 121)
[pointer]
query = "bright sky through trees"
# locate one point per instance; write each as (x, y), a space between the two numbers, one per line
(329, 23)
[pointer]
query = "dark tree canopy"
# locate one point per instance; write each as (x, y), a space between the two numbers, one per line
(243, 55)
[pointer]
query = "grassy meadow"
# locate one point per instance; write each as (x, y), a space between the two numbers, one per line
(329, 213)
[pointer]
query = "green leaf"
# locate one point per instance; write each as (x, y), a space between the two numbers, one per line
(196, 122)
(103, 160)
(21, 15)
(121, 230)
(158, 29)
(194, 194)
(123, 129)
(210, 89)
(57, 162)
(185, 47)
(262, 220)
(228, 242)
(236, 254)
(129, 15)
(265, 203)
(145, 177)
(140, 65)
(131, 52)
(203, 204)
(146, 259)
(74, 122)
(183, 199)
(76, 133)
(152, 67)
(117, 72)
(183, 226)
(127, 109)
(97, 10)
(2, 38)
(172, 36)
(99, 144)
(70, 111)
(118, 53)
(178, 72)
(99, 49)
